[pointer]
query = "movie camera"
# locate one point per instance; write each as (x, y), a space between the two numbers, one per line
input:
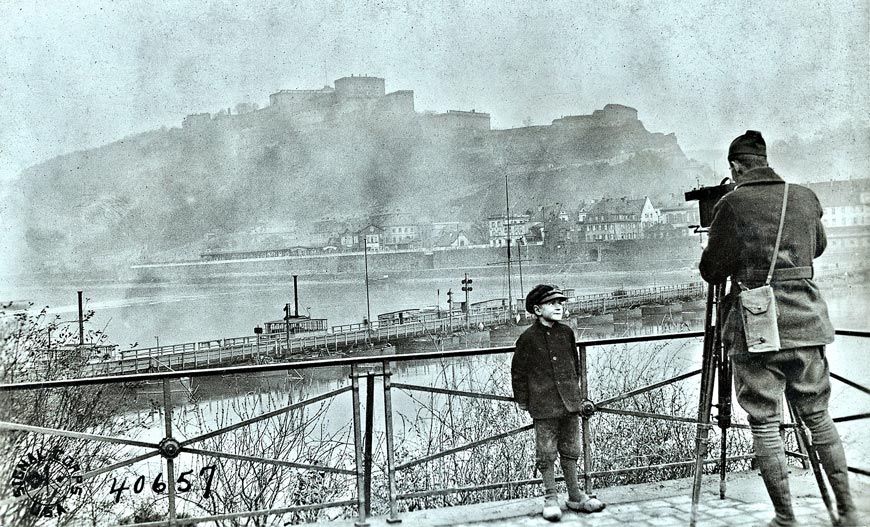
(707, 197)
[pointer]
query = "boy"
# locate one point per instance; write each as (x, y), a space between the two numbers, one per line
(545, 374)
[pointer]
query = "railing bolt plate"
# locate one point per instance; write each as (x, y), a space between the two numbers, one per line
(169, 448)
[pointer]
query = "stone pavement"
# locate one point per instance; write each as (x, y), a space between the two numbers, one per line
(662, 504)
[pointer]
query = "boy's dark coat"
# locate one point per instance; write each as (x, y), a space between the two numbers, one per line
(545, 372)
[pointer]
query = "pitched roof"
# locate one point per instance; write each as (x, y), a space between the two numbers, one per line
(448, 238)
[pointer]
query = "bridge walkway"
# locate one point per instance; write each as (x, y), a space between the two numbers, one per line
(659, 504)
(269, 348)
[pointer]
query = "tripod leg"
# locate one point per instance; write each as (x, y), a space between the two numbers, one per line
(724, 420)
(810, 449)
(706, 398)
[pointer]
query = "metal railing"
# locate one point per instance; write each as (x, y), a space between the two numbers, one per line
(369, 368)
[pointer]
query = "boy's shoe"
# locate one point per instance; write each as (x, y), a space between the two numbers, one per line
(552, 511)
(587, 505)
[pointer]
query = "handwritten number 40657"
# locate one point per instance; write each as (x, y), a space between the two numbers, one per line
(158, 486)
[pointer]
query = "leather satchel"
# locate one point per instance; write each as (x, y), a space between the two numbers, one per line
(758, 305)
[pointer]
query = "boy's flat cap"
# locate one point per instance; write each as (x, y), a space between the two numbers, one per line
(541, 294)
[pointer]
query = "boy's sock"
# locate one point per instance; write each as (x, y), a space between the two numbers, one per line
(577, 499)
(552, 511)
(569, 470)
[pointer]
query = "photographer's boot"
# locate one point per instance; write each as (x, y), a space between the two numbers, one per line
(552, 511)
(774, 472)
(577, 499)
(830, 449)
(833, 458)
(770, 456)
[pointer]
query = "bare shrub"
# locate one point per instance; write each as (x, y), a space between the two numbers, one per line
(299, 436)
(25, 354)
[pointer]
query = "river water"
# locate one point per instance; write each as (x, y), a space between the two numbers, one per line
(187, 312)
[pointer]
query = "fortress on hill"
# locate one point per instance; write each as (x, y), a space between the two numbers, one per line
(361, 96)
(354, 96)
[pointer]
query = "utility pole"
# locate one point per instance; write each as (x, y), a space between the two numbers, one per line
(295, 297)
(520, 260)
(81, 322)
(507, 205)
(366, 259)
(287, 325)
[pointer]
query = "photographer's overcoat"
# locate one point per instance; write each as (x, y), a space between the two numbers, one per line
(741, 241)
(545, 371)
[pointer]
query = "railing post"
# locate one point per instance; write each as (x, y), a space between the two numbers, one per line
(370, 408)
(388, 426)
(358, 448)
(170, 467)
(584, 418)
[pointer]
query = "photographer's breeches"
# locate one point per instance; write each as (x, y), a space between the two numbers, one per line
(761, 379)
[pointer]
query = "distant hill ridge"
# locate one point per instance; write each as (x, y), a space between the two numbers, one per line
(343, 152)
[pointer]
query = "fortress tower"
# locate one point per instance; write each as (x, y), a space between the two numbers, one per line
(354, 87)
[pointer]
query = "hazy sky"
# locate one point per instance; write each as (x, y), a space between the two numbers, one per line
(76, 75)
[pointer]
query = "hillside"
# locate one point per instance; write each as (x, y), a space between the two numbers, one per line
(167, 189)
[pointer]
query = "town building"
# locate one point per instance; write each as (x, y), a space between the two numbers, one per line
(499, 225)
(680, 217)
(370, 237)
(619, 219)
(401, 232)
(349, 239)
(845, 212)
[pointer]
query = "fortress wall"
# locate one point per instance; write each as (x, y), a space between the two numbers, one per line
(293, 100)
(398, 102)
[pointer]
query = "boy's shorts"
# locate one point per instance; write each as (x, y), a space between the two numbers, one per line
(760, 379)
(558, 435)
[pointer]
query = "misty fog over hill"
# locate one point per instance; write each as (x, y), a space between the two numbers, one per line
(296, 162)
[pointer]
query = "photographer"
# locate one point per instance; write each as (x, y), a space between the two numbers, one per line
(742, 239)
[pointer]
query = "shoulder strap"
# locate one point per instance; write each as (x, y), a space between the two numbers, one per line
(778, 235)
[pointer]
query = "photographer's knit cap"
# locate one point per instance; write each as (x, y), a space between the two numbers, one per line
(541, 294)
(749, 143)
